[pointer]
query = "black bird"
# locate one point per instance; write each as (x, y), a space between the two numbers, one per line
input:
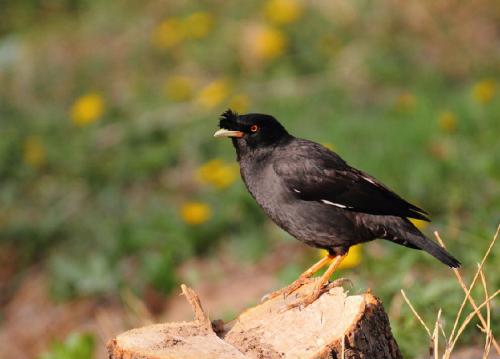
(313, 194)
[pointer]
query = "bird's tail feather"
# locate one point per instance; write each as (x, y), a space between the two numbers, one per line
(434, 249)
(408, 235)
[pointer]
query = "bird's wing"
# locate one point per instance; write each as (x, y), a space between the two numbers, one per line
(314, 173)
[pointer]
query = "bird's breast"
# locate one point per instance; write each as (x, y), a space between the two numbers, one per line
(268, 190)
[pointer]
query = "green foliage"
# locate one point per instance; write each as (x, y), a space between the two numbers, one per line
(76, 346)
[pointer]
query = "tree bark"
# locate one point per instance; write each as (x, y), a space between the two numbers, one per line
(335, 326)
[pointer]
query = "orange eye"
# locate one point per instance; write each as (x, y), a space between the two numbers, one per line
(254, 128)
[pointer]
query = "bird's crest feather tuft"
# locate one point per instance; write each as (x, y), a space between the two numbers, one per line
(228, 117)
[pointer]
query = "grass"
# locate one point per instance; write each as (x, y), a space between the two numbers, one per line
(458, 328)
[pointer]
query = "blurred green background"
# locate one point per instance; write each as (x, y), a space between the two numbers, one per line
(111, 180)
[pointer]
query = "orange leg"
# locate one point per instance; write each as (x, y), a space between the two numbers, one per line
(303, 278)
(320, 284)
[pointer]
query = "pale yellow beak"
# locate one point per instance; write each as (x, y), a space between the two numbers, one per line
(226, 133)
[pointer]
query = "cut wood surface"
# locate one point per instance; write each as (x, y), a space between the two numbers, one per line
(335, 326)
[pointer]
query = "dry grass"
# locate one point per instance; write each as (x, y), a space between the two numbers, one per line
(460, 324)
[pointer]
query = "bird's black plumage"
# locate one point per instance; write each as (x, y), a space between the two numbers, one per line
(313, 194)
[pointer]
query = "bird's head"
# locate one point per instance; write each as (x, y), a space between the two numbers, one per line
(251, 131)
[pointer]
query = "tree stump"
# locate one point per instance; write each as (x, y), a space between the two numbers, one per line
(335, 326)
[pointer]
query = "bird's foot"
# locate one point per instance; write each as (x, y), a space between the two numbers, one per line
(339, 283)
(318, 290)
(305, 300)
(285, 292)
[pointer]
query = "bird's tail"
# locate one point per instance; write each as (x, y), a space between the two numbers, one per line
(410, 236)
(434, 249)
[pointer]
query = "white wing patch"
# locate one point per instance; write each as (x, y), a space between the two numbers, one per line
(334, 204)
(369, 180)
(296, 190)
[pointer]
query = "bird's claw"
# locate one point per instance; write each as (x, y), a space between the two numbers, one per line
(316, 293)
(285, 292)
(305, 300)
(340, 282)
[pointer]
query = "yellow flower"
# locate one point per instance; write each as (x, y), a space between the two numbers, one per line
(447, 121)
(214, 93)
(263, 43)
(419, 223)
(239, 103)
(179, 88)
(34, 151)
(282, 11)
(270, 43)
(352, 260)
(484, 90)
(218, 173)
(198, 24)
(168, 33)
(406, 101)
(195, 213)
(87, 109)
(329, 146)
